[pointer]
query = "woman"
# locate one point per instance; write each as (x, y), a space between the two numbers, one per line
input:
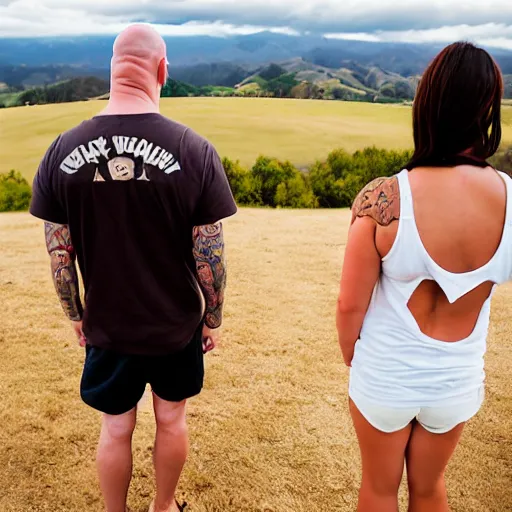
(426, 248)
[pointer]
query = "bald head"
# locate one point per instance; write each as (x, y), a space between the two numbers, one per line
(139, 61)
(141, 41)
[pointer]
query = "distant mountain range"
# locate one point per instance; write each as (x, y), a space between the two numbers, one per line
(358, 67)
(95, 52)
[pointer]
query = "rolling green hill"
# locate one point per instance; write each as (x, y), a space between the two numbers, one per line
(351, 82)
(293, 78)
(76, 89)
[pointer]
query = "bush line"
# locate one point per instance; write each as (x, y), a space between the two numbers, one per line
(333, 183)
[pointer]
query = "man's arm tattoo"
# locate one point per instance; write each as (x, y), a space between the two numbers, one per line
(210, 259)
(65, 278)
(379, 200)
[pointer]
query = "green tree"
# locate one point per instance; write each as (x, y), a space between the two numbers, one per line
(175, 89)
(282, 86)
(268, 173)
(305, 90)
(76, 89)
(326, 187)
(337, 181)
(15, 192)
(403, 90)
(387, 90)
(295, 192)
(243, 184)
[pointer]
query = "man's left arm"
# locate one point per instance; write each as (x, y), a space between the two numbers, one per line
(64, 273)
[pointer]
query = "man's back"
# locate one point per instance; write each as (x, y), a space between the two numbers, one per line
(138, 200)
(131, 188)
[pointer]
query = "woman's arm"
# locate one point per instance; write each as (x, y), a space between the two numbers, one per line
(377, 204)
(361, 270)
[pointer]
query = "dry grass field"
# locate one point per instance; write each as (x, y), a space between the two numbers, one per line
(271, 431)
(301, 131)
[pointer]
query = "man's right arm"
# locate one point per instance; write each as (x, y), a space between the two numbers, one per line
(208, 249)
(65, 277)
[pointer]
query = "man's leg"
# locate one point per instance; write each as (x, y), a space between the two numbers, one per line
(171, 450)
(114, 459)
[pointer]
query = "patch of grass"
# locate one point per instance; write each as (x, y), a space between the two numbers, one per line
(271, 431)
(301, 131)
(241, 128)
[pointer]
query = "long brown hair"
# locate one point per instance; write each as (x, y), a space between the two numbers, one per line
(457, 109)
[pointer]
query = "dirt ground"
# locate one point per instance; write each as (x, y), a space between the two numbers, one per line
(271, 432)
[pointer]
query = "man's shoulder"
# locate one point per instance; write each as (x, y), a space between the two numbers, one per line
(69, 137)
(168, 124)
(379, 200)
(192, 139)
(84, 127)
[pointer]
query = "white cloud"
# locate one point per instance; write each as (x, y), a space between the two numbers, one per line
(355, 36)
(490, 34)
(40, 21)
(484, 21)
(323, 15)
(316, 13)
(497, 42)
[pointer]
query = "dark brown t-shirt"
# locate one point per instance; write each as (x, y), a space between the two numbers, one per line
(131, 188)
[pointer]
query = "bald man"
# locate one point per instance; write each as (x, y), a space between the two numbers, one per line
(137, 199)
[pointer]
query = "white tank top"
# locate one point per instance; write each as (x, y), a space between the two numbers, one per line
(395, 364)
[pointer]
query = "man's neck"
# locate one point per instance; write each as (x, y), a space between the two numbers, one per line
(122, 103)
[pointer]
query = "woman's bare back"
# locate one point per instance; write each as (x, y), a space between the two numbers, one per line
(460, 216)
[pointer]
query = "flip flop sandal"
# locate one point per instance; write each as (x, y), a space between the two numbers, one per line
(181, 508)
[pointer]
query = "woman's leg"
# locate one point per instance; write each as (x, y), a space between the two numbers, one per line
(427, 457)
(383, 457)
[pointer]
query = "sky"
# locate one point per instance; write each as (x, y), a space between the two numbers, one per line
(486, 22)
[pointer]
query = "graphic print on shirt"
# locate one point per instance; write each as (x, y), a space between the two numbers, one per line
(121, 159)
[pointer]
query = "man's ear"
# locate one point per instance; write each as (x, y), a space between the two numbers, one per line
(162, 72)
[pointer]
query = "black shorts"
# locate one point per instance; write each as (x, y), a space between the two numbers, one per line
(114, 383)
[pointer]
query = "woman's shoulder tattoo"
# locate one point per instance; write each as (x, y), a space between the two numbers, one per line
(379, 200)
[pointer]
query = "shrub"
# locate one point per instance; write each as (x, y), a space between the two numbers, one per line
(268, 173)
(326, 187)
(337, 181)
(15, 192)
(333, 183)
(295, 193)
(246, 190)
(270, 182)
(503, 160)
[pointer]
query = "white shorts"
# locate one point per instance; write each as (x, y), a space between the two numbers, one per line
(437, 420)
